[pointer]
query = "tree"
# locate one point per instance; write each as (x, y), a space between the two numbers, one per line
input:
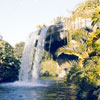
(18, 50)
(40, 26)
(93, 42)
(57, 20)
(9, 64)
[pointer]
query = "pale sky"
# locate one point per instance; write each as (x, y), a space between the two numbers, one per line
(19, 17)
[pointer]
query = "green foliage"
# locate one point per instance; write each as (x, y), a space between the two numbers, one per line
(49, 68)
(93, 42)
(9, 64)
(78, 43)
(46, 74)
(18, 50)
(47, 56)
(86, 9)
(5, 48)
(96, 17)
(80, 35)
(87, 76)
(40, 26)
(57, 20)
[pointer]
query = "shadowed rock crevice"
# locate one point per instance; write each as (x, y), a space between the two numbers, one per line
(53, 39)
(66, 57)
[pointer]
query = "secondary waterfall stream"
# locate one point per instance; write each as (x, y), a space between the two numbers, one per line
(30, 69)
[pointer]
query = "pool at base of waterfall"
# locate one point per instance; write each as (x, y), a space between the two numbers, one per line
(40, 90)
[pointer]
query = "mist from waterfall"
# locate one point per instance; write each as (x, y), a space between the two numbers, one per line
(30, 69)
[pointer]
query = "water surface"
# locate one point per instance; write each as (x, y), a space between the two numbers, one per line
(43, 90)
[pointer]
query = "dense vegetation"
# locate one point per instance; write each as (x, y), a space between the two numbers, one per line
(86, 74)
(18, 50)
(9, 63)
(86, 9)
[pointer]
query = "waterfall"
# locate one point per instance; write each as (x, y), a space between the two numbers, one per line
(39, 54)
(27, 58)
(30, 69)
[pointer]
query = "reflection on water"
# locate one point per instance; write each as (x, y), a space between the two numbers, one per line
(43, 90)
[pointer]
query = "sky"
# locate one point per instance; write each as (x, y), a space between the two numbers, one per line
(18, 18)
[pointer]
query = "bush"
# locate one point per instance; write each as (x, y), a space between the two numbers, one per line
(86, 77)
(46, 74)
(49, 67)
(9, 64)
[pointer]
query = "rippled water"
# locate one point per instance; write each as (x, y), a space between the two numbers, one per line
(43, 90)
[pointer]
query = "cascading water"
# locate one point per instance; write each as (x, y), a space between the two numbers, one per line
(30, 69)
(39, 54)
(27, 58)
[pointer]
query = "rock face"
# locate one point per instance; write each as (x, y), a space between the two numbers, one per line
(54, 40)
